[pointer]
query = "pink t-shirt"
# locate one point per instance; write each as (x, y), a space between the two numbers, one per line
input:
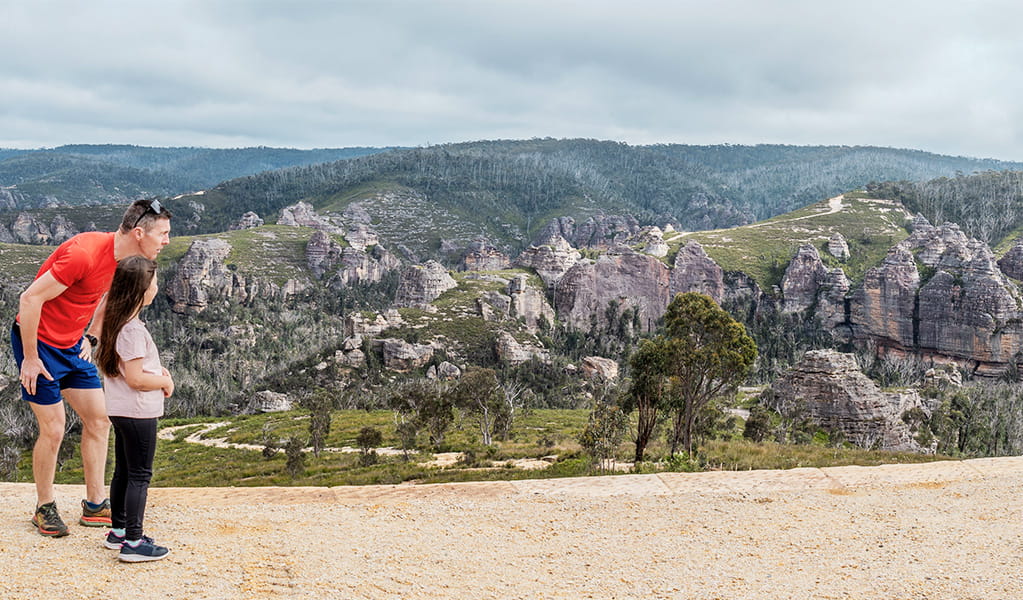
(134, 342)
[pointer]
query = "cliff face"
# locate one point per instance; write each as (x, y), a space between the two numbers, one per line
(621, 276)
(694, 271)
(883, 308)
(202, 275)
(967, 310)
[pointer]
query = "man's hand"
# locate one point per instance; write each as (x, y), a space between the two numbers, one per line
(31, 369)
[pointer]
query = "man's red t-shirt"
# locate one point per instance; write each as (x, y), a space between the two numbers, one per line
(85, 264)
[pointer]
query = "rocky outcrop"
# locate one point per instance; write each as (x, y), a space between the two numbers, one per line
(599, 368)
(27, 230)
(5, 234)
(11, 198)
(512, 352)
(322, 253)
(623, 277)
(421, 284)
(201, 275)
(357, 266)
(651, 240)
(550, 260)
(1012, 262)
(268, 402)
(828, 388)
(831, 296)
(401, 356)
(445, 371)
(249, 220)
(344, 265)
(604, 231)
(360, 236)
(883, 308)
(967, 310)
(528, 303)
(561, 227)
(358, 324)
(838, 247)
(802, 280)
(493, 306)
(302, 214)
(694, 271)
(971, 311)
(481, 255)
(62, 230)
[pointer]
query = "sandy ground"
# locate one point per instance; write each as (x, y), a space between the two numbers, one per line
(933, 531)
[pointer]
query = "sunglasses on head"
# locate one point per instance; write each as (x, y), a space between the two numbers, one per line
(153, 206)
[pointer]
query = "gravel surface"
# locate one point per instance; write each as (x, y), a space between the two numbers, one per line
(931, 531)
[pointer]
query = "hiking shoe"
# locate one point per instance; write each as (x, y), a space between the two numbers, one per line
(114, 541)
(99, 517)
(144, 552)
(48, 522)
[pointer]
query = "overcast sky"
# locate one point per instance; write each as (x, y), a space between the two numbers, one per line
(937, 75)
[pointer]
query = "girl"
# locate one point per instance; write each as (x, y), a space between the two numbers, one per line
(135, 384)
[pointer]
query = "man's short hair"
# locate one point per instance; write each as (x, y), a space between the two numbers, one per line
(142, 213)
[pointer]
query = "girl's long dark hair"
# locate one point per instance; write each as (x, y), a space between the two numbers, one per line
(124, 300)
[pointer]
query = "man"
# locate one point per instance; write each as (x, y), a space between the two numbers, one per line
(64, 302)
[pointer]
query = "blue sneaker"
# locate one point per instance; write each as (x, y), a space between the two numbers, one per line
(114, 541)
(144, 552)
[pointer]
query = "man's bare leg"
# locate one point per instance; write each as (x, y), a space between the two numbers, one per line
(51, 419)
(91, 407)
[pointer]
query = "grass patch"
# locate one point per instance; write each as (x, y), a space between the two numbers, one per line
(272, 252)
(538, 433)
(763, 250)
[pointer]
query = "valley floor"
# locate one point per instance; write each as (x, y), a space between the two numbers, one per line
(934, 530)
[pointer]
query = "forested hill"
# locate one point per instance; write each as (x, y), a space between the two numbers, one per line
(512, 188)
(98, 174)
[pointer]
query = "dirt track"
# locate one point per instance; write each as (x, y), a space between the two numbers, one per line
(940, 530)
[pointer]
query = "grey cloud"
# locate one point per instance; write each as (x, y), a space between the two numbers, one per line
(940, 76)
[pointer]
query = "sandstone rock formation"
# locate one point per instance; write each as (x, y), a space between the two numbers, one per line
(528, 303)
(421, 284)
(829, 388)
(249, 220)
(1012, 262)
(621, 276)
(803, 279)
(551, 260)
(401, 356)
(202, 274)
(604, 231)
(357, 324)
(481, 255)
(967, 310)
(838, 247)
(600, 368)
(445, 371)
(27, 230)
(883, 308)
(652, 241)
(5, 234)
(268, 402)
(62, 230)
(302, 214)
(509, 350)
(694, 271)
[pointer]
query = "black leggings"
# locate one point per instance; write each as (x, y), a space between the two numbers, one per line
(134, 448)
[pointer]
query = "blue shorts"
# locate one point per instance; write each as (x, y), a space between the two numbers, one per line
(69, 370)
